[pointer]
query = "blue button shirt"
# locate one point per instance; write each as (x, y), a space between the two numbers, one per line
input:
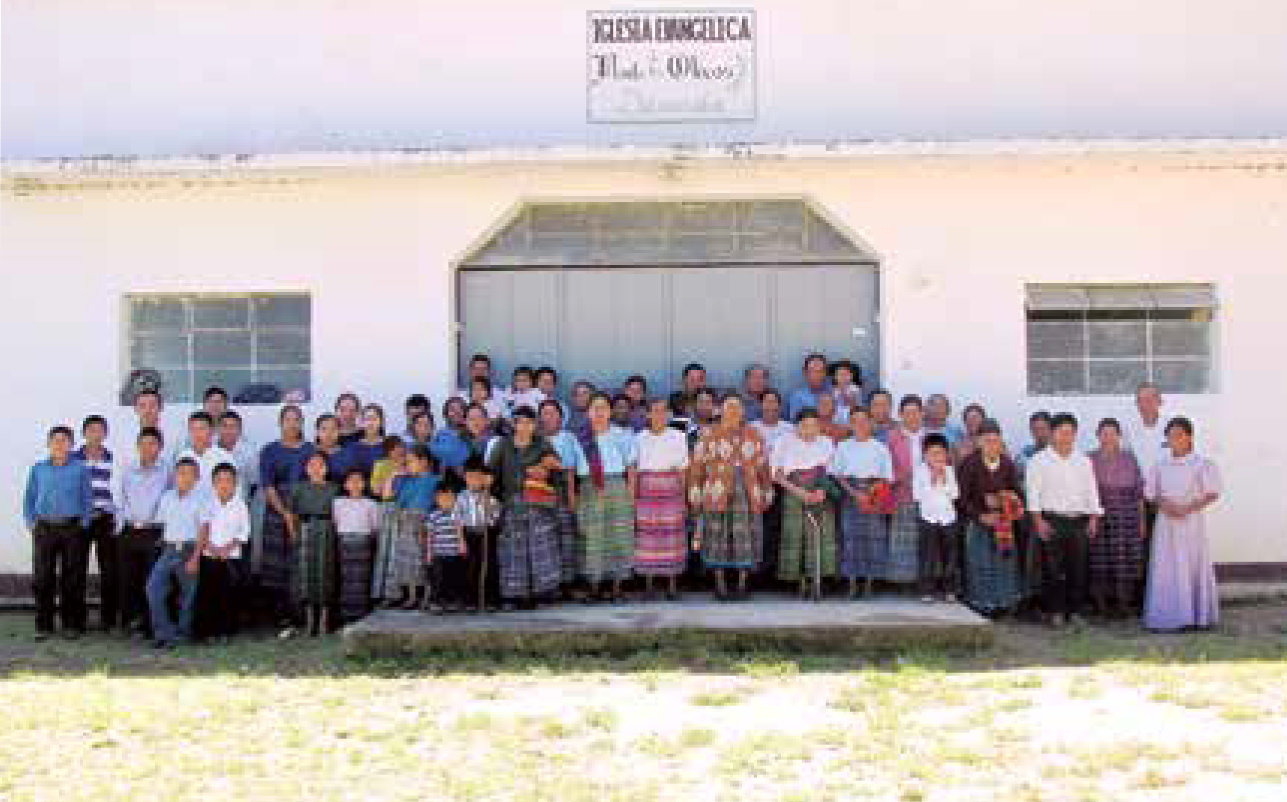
(803, 398)
(415, 492)
(58, 491)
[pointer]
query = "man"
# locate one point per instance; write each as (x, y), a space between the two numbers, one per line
(636, 391)
(1039, 428)
(815, 384)
(215, 402)
(100, 534)
(147, 407)
(1063, 500)
(1145, 435)
(755, 380)
(136, 494)
(480, 367)
(203, 451)
(938, 411)
(183, 540)
(417, 404)
(691, 380)
(578, 420)
(56, 506)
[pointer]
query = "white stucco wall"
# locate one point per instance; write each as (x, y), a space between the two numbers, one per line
(238, 76)
(958, 237)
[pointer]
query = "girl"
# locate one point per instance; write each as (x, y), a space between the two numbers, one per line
(347, 406)
(807, 553)
(571, 457)
(523, 393)
(935, 490)
(357, 521)
(382, 478)
(904, 442)
(846, 386)
(661, 535)
(1181, 582)
(480, 392)
(863, 469)
(281, 464)
(445, 553)
(1117, 552)
(313, 529)
(393, 463)
(370, 447)
(992, 507)
(605, 502)
(413, 498)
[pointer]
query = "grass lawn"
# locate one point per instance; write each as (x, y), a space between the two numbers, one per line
(1108, 714)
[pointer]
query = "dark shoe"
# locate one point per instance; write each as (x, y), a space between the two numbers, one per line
(163, 645)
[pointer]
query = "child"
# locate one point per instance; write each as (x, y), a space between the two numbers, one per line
(446, 553)
(57, 504)
(311, 505)
(227, 521)
(394, 463)
(413, 498)
(183, 537)
(524, 393)
(478, 512)
(935, 491)
(101, 532)
(357, 520)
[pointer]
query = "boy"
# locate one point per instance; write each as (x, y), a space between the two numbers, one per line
(57, 504)
(203, 451)
(445, 552)
(137, 497)
(183, 538)
(478, 512)
(100, 535)
(935, 491)
(226, 524)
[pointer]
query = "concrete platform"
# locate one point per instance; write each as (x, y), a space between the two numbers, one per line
(783, 622)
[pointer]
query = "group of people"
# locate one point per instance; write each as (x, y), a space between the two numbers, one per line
(518, 497)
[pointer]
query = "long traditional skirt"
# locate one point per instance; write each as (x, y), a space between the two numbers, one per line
(1117, 552)
(797, 557)
(383, 551)
(661, 532)
(277, 561)
(992, 579)
(316, 574)
(733, 538)
(864, 542)
(904, 544)
(403, 560)
(357, 557)
(607, 522)
(568, 548)
(528, 551)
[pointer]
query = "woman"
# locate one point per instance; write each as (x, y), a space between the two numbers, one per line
(453, 414)
(347, 407)
(808, 550)
(772, 428)
(881, 405)
(1182, 590)
(992, 508)
(827, 425)
(528, 547)
(904, 442)
(478, 434)
(571, 457)
(729, 488)
(605, 502)
(1117, 552)
(326, 441)
(281, 464)
(369, 448)
(864, 470)
(578, 420)
(661, 514)
(972, 418)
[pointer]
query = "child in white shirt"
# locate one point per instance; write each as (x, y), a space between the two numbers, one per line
(935, 491)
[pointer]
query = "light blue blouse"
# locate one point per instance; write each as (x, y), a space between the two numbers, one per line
(569, 450)
(618, 450)
(862, 460)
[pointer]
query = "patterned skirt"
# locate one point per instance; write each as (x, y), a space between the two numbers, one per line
(383, 550)
(797, 555)
(733, 538)
(607, 522)
(277, 560)
(1117, 552)
(316, 577)
(904, 544)
(404, 558)
(992, 580)
(567, 544)
(528, 551)
(661, 531)
(864, 542)
(357, 556)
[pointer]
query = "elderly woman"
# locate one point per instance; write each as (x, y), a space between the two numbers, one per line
(990, 493)
(661, 536)
(1117, 552)
(606, 502)
(729, 488)
(807, 553)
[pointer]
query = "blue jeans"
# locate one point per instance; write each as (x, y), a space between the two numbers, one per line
(169, 569)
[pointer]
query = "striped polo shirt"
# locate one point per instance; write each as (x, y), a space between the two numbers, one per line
(100, 479)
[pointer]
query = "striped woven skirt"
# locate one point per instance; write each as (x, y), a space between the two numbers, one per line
(661, 532)
(607, 522)
(528, 551)
(404, 557)
(904, 544)
(567, 544)
(277, 560)
(357, 556)
(992, 579)
(797, 557)
(383, 550)
(864, 542)
(733, 538)
(1117, 552)
(316, 574)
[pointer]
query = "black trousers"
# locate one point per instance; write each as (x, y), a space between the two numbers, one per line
(136, 551)
(101, 536)
(939, 555)
(59, 562)
(482, 569)
(218, 606)
(1065, 564)
(449, 581)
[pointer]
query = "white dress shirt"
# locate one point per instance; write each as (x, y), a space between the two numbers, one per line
(935, 500)
(211, 458)
(1148, 443)
(667, 451)
(229, 521)
(792, 453)
(1062, 484)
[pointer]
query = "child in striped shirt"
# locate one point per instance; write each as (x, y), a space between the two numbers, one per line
(446, 553)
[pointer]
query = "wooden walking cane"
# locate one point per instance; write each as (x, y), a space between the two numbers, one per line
(816, 592)
(482, 573)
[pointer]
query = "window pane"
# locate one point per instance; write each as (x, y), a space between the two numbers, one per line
(1182, 375)
(283, 310)
(286, 382)
(176, 386)
(220, 313)
(1117, 377)
(159, 351)
(1179, 338)
(1117, 339)
(1054, 340)
(161, 313)
(216, 349)
(1057, 377)
(282, 347)
(234, 381)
